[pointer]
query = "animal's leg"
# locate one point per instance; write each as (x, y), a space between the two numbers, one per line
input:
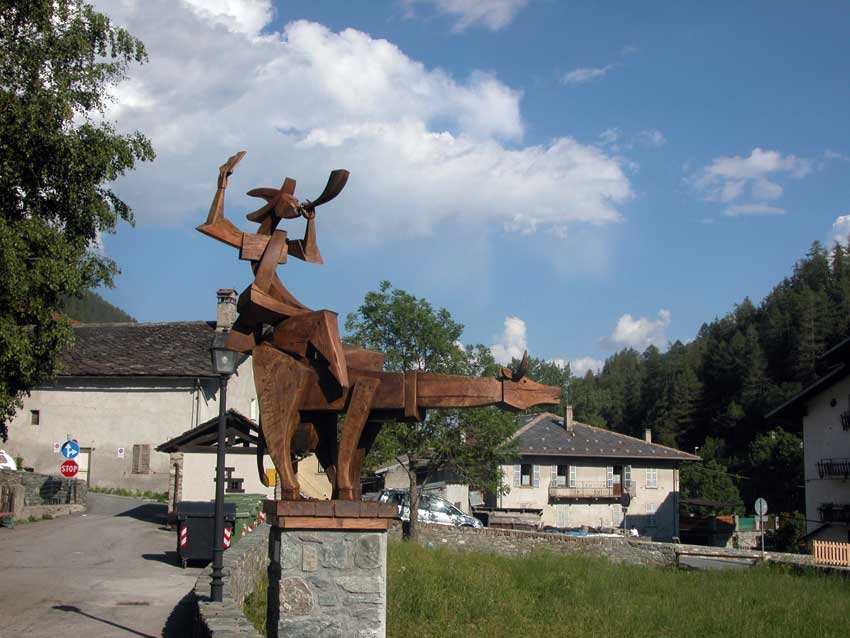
(367, 439)
(280, 382)
(355, 420)
(326, 450)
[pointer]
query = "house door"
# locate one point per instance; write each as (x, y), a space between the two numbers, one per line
(617, 484)
(84, 461)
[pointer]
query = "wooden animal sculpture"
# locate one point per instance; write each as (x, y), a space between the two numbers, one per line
(306, 377)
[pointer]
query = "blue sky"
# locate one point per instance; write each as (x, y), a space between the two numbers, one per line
(568, 177)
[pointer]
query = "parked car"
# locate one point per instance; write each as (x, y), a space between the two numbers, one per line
(432, 509)
(7, 462)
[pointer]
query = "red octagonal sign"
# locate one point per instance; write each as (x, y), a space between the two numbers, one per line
(69, 469)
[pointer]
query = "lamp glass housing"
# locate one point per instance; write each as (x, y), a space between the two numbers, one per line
(223, 359)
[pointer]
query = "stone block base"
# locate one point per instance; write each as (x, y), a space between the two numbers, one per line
(329, 582)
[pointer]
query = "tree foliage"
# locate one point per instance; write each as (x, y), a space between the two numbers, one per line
(415, 336)
(58, 61)
(720, 385)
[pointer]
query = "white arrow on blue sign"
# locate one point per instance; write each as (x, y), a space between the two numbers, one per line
(70, 449)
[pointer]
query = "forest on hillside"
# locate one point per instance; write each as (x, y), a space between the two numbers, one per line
(710, 395)
(90, 307)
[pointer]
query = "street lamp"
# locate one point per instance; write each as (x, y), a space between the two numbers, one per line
(223, 364)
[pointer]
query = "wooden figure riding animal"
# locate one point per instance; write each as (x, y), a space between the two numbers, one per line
(306, 377)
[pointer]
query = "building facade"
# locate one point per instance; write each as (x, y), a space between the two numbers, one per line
(823, 408)
(583, 476)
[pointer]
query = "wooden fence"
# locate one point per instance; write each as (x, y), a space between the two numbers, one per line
(829, 553)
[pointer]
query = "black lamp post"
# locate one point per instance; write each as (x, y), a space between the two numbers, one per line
(223, 364)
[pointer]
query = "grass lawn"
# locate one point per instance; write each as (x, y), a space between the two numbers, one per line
(446, 594)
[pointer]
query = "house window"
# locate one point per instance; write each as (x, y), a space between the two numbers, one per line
(528, 475)
(141, 458)
(651, 509)
(560, 474)
(651, 477)
(35, 417)
(255, 413)
(609, 476)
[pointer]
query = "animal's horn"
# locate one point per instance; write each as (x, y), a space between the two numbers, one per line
(336, 182)
(523, 367)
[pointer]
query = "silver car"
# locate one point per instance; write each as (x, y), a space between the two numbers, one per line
(432, 509)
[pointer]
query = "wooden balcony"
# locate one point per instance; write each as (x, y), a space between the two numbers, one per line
(834, 468)
(596, 490)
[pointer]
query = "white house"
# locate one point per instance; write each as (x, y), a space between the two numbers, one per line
(580, 475)
(824, 409)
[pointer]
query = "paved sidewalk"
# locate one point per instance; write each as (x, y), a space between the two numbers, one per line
(109, 572)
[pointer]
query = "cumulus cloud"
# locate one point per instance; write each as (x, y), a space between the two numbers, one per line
(840, 230)
(726, 179)
(306, 100)
(585, 74)
(737, 210)
(652, 137)
(512, 343)
(491, 14)
(580, 367)
(639, 333)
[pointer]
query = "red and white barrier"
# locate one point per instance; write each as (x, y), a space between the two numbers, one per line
(184, 536)
(227, 534)
(244, 528)
(262, 517)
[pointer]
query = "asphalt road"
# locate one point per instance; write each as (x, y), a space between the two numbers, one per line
(109, 572)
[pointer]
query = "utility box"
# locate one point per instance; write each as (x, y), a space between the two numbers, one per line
(196, 527)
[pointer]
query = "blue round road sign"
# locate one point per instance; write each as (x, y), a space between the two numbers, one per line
(70, 449)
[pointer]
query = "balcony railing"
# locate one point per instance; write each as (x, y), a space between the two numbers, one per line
(834, 468)
(834, 513)
(591, 489)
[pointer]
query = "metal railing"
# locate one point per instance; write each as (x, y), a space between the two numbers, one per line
(834, 468)
(834, 513)
(592, 489)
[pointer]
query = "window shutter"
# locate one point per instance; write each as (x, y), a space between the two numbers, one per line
(141, 458)
(572, 475)
(609, 476)
(517, 471)
(553, 478)
(535, 474)
(627, 474)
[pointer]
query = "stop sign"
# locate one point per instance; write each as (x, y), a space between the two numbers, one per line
(69, 469)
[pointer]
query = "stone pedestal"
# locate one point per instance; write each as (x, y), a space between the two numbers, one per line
(327, 574)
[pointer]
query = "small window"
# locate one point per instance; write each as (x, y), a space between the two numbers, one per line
(35, 417)
(142, 458)
(651, 509)
(526, 472)
(560, 475)
(651, 477)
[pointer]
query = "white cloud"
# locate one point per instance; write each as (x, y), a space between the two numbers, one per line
(306, 100)
(830, 154)
(737, 210)
(639, 333)
(726, 179)
(583, 75)
(610, 136)
(840, 230)
(492, 14)
(512, 343)
(580, 367)
(652, 137)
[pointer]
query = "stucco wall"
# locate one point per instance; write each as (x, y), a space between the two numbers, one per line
(601, 513)
(105, 414)
(823, 437)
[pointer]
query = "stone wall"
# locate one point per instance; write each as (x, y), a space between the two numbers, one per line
(520, 543)
(42, 495)
(245, 566)
(329, 583)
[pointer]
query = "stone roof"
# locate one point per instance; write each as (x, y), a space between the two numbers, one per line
(544, 435)
(173, 349)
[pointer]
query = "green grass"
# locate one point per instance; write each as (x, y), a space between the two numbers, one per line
(120, 491)
(445, 594)
(255, 605)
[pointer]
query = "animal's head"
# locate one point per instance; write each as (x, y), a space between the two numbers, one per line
(520, 393)
(282, 203)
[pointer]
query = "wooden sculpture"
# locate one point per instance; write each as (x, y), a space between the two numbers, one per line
(306, 377)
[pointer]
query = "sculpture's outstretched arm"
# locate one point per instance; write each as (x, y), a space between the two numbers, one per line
(217, 226)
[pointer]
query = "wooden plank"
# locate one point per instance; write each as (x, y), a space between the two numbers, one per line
(315, 522)
(352, 429)
(364, 359)
(253, 247)
(347, 509)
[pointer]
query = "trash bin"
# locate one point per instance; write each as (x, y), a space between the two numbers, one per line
(196, 527)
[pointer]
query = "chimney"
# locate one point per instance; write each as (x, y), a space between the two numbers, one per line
(568, 419)
(225, 309)
(647, 434)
